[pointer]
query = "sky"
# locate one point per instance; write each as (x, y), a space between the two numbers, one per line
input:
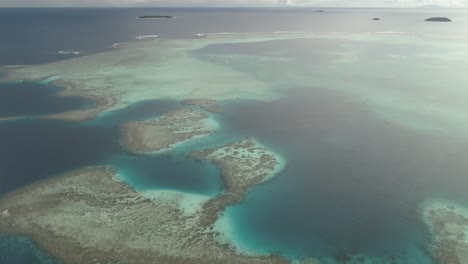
(236, 3)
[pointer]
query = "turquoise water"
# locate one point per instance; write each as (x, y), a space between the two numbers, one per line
(96, 142)
(56, 147)
(352, 184)
(366, 203)
(358, 162)
(365, 147)
(167, 172)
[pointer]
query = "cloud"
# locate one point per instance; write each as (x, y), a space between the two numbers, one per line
(297, 3)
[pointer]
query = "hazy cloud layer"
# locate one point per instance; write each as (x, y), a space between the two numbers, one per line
(338, 3)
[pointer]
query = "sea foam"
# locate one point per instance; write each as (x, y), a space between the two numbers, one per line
(146, 37)
(65, 52)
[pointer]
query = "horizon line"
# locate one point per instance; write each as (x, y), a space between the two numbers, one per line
(246, 7)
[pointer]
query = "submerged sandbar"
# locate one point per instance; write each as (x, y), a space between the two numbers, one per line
(174, 69)
(141, 71)
(164, 132)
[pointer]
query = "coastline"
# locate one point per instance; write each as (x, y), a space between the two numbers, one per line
(105, 208)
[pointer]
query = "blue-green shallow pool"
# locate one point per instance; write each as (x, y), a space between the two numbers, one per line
(166, 172)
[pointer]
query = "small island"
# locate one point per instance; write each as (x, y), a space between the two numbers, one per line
(376, 18)
(439, 19)
(155, 17)
(165, 132)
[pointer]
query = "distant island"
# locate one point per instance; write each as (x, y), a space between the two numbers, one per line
(376, 18)
(155, 17)
(439, 19)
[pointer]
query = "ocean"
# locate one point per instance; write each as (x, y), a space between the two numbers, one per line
(358, 166)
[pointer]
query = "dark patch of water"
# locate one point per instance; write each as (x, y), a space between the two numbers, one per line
(29, 98)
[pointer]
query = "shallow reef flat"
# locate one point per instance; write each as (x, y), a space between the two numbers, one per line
(447, 223)
(174, 69)
(243, 164)
(100, 103)
(206, 104)
(164, 69)
(89, 216)
(353, 66)
(166, 131)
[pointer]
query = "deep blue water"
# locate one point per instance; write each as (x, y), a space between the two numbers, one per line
(33, 36)
(30, 99)
(352, 181)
